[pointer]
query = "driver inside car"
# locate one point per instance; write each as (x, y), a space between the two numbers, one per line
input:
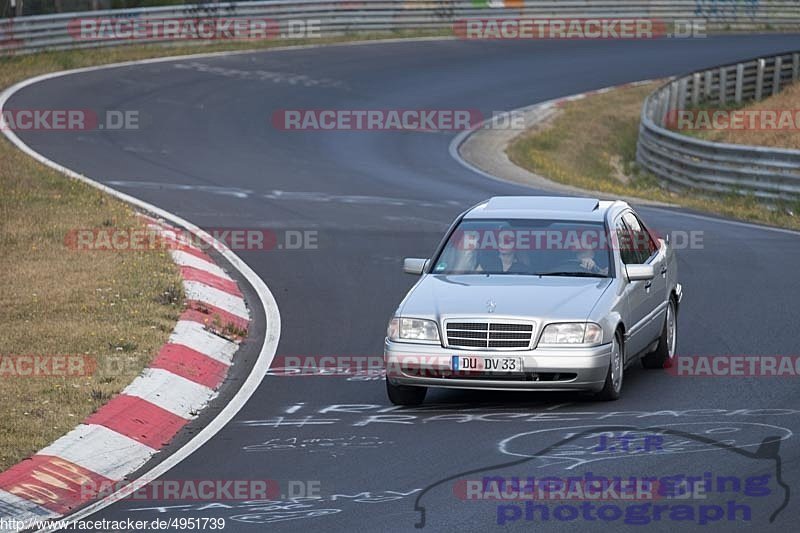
(586, 260)
(504, 260)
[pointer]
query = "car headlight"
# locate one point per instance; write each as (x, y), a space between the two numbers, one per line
(572, 333)
(412, 329)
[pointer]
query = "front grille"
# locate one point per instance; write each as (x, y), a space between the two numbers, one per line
(486, 335)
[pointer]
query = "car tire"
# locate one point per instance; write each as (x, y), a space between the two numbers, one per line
(616, 368)
(664, 354)
(404, 395)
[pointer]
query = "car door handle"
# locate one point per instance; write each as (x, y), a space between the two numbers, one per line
(648, 285)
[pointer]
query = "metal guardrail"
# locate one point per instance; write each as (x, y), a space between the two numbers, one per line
(52, 32)
(769, 173)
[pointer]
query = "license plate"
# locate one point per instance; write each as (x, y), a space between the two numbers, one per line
(471, 363)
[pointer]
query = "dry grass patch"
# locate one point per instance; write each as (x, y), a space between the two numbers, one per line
(592, 144)
(108, 306)
(788, 99)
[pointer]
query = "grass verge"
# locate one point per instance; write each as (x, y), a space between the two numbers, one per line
(591, 144)
(113, 308)
(787, 102)
(15, 68)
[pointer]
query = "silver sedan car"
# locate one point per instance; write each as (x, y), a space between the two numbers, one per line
(535, 293)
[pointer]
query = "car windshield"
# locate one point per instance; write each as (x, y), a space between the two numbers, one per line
(526, 247)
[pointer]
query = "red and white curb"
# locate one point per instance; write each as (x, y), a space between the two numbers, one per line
(126, 432)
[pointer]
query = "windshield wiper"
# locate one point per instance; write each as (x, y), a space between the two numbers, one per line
(572, 273)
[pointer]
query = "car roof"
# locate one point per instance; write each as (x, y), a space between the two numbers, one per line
(543, 207)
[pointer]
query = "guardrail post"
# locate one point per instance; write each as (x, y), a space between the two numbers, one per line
(759, 79)
(707, 86)
(723, 85)
(795, 67)
(739, 81)
(663, 106)
(695, 88)
(776, 76)
(673, 96)
(656, 109)
(682, 93)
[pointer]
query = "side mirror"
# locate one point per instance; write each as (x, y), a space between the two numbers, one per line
(414, 266)
(640, 272)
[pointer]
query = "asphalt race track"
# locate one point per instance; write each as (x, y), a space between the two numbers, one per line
(206, 150)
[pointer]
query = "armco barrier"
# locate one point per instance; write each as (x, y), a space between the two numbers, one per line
(770, 173)
(51, 32)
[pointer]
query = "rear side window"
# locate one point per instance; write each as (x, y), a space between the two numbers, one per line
(643, 244)
(624, 237)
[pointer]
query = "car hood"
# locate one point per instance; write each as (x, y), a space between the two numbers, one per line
(447, 296)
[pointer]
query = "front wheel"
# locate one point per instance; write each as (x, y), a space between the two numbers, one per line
(404, 395)
(664, 354)
(616, 366)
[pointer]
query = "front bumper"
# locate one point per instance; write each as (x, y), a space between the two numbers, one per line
(544, 369)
